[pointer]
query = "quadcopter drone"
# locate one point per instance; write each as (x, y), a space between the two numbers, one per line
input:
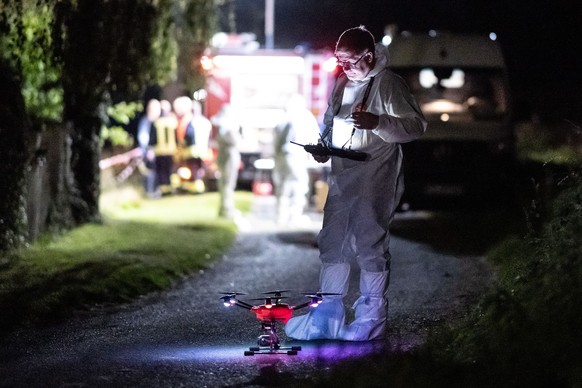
(270, 313)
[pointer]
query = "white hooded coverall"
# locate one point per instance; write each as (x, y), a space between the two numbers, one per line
(290, 174)
(228, 158)
(361, 202)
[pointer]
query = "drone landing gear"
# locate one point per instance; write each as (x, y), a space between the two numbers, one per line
(269, 343)
(289, 350)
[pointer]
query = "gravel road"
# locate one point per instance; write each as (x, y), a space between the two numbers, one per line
(185, 337)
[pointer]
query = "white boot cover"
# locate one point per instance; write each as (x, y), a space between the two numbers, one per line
(321, 322)
(371, 309)
(325, 320)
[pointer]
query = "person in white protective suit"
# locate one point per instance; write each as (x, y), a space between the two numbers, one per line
(370, 110)
(290, 173)
(228, 158)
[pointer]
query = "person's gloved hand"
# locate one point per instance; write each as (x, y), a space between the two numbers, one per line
(364, 120)
(321, 158)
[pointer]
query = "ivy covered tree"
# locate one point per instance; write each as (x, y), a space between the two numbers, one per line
(194, 25)
(64, 61)
(102, 46)
(27, 97)
(13, 132)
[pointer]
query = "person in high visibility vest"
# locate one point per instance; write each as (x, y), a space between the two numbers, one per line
(164, 142)
(182, 107)
(195, 149)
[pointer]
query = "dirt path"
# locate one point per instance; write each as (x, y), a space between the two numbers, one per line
(185, 337)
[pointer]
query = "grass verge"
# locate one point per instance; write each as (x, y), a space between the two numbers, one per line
(524, 333)
(141, 246)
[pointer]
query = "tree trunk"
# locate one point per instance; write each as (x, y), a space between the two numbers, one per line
(14, 129)
(85, 168)
(59, 213)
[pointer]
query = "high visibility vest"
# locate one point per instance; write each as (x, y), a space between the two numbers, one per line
(201, 139)
(181, 127)
(165, 136)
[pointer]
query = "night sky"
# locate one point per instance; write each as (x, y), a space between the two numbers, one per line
(539, 38)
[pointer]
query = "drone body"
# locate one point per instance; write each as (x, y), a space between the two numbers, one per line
(271, 313)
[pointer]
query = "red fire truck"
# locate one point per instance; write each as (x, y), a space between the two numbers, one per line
(257, 83)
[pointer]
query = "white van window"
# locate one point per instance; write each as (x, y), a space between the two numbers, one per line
(428, 79)
(463, 94)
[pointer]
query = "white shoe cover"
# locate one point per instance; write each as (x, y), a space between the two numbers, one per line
(371, 309)
(326, 320)
(321, 322)
(370, 322)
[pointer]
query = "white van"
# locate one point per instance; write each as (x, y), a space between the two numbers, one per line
(467, 154)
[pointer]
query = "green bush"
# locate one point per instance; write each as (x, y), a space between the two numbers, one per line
(114, 261)
(524, 333)
(528, 328)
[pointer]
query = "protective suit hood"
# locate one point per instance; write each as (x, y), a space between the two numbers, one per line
(382, 56)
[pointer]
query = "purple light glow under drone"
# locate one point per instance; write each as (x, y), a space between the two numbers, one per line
(326, 352)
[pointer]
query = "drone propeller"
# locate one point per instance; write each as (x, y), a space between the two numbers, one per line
(269, 297)
(314, 294)
(276, 293)
(229, 298)
(317, 297)
(232, 293)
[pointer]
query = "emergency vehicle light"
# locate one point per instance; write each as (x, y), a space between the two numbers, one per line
(184, 173)
(260, 64)
(206, 63)
(330, 64)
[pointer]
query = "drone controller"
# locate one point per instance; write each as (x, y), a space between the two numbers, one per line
(320, 149)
